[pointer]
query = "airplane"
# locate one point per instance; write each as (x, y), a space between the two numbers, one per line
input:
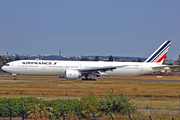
(89, 69)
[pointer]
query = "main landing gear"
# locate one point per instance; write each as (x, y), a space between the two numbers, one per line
(89, 79)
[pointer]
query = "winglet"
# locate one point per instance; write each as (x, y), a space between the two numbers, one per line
(159, 55)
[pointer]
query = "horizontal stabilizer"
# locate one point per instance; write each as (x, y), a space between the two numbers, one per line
(164, 66)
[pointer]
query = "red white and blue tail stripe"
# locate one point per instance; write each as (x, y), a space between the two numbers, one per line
(159, 55)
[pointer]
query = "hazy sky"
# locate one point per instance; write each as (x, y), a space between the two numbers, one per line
(89, 27)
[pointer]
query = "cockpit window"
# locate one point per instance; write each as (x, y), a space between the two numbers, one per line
(7, 65)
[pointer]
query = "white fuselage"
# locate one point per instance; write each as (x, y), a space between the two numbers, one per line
(76, 69)
(52, 67)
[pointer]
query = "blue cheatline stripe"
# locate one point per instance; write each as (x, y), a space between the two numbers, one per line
(159, 51)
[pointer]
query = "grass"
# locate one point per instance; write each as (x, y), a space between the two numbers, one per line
(156, 103)
(131, 88)
(135, 116)
(51, 88)
(140, 116)
(164, 94)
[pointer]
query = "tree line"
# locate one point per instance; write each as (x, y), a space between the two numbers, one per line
(111, 58)
(4, 60)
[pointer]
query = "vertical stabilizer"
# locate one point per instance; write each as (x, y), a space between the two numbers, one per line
(159, 55)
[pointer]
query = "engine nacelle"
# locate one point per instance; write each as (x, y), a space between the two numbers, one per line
(72, 74)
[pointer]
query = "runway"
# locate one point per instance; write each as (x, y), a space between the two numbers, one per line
(44, 78)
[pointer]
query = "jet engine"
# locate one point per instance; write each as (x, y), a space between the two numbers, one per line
(72, 74)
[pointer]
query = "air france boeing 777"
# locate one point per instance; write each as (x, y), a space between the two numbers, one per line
(89, 69)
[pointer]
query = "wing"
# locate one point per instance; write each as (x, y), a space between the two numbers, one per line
(98, 69)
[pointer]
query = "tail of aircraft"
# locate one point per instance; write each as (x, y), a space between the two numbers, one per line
(159, 55)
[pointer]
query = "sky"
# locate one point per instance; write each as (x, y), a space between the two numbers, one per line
(127, 28)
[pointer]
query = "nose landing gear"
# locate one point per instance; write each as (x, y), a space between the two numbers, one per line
(15, 77)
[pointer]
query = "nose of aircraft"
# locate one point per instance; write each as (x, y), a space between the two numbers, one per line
(3, 68)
